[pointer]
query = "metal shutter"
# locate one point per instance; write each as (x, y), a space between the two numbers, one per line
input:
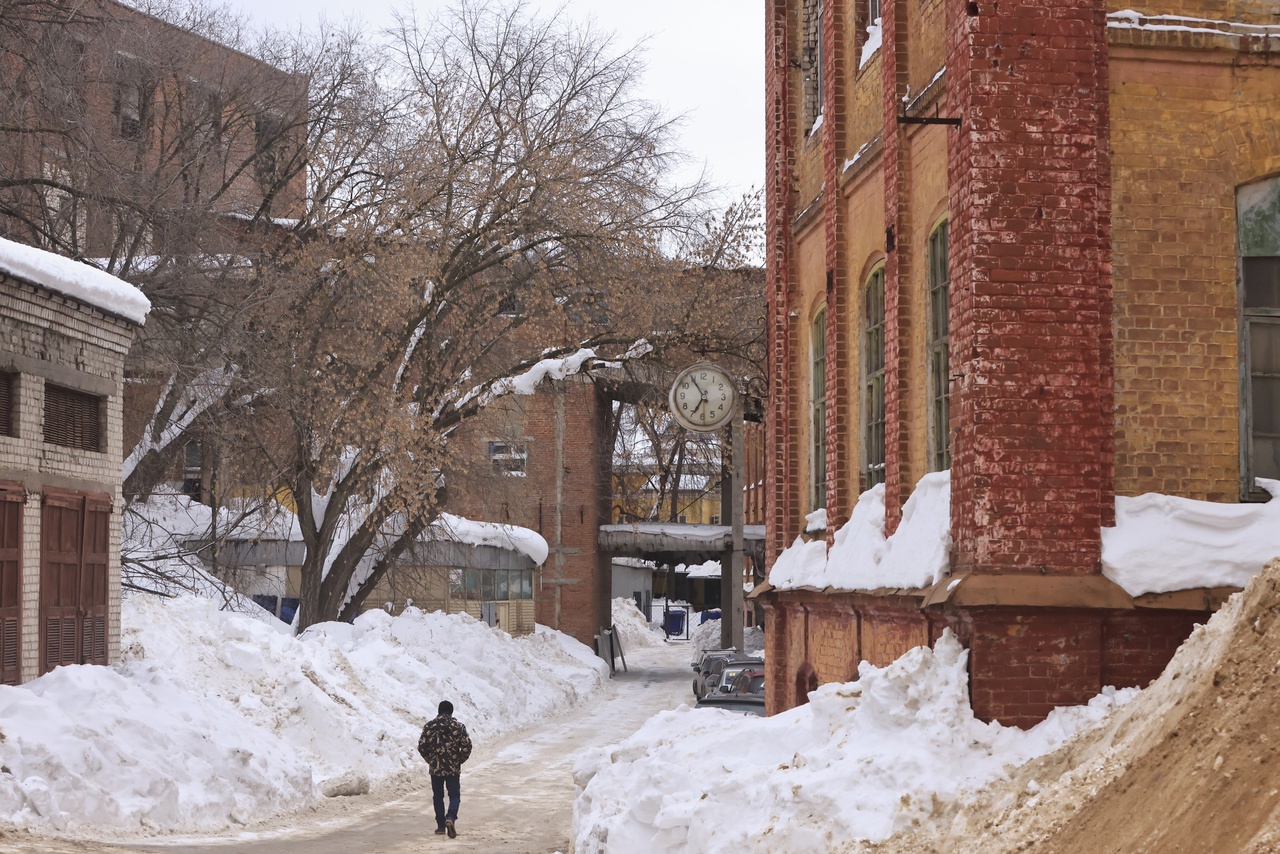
(72, 418)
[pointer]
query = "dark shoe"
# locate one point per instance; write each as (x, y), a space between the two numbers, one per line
(448, 827)
(440, 831)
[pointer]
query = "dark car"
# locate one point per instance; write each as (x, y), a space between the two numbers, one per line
(747, 704)
(713, 668)
(704, 662)
(729, 677)
(748, 681)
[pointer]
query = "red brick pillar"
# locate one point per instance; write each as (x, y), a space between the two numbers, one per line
(897, 265)
(841, 300)
(1032, 471)
(781, 496)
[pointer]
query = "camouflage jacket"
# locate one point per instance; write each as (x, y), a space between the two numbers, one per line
(445, 745)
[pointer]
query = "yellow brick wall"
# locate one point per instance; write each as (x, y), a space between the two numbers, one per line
(1184, 136)
(863, 116)
(926, 34)
(1243, 11)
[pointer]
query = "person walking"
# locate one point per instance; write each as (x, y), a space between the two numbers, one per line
(445, 745)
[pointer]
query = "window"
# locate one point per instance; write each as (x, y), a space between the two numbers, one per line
(811, 61)
(72, 419)
(269, 138)
(1258, 208)
(133, 96)
(1262, 338)
(193, 461)
(715, 518)
(508, 458)
(939, 361)
(64, 218)
(873, 457)
(873, 11)
(818, 408)
(6, 404)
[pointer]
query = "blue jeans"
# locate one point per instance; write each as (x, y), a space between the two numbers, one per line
(438, 786)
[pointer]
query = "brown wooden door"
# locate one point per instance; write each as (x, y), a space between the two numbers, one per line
(75, 536)
(11, 500)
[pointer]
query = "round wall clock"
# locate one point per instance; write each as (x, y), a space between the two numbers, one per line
(702, 397)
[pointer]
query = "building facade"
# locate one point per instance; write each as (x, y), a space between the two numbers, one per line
(61, 386)
(1034, 243)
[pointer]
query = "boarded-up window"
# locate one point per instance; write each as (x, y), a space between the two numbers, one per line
(11, 498)
(74, 548)
(72, 418)
(6, 404)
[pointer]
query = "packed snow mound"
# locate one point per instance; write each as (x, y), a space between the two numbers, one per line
(632, 628)
(1190, 764)
(862, 760)
(212, 718)
(1162, 542)
(914, 556)
(707, 636)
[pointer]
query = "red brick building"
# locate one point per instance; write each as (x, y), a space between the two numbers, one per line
(1034, 242)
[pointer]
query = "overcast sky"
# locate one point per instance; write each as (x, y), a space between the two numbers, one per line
(705, 61)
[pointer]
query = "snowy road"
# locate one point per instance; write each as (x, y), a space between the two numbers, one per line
(517, 796)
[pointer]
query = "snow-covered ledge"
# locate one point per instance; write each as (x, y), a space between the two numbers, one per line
(1160, 544)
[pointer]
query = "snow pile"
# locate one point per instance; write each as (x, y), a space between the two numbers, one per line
(156, 557)
(632, 628)
(861, 761)
(1200, 736)
(1162, 543)
(213, 718)
(707, 636)
(862, 558)
(73, 279)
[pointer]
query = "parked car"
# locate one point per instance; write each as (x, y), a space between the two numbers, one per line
(703, 663)
(735, 669)
(713, 668)
(747, 704)
(748, 681)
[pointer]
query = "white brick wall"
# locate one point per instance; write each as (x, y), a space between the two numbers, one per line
(47, 337)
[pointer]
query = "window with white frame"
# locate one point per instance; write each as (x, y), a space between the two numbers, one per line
(509, 458)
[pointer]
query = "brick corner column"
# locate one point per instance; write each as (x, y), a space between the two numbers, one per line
(1029, 176)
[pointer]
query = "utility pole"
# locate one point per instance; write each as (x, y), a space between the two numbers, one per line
(731, 506)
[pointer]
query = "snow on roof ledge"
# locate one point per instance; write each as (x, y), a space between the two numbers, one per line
(471, 532)
(73, 279)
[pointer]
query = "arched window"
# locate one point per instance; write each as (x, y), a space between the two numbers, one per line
(873, 361)
(1258, 210)
(806, 681)
(938, 356)
(818, 408)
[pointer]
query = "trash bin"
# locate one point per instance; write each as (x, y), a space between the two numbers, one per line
(673, 622)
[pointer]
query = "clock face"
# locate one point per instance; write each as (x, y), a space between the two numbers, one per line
(702, 397)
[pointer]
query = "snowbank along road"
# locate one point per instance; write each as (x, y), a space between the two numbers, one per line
(517, 795)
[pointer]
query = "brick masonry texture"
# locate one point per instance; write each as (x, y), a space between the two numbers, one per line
(1094, 330)
(563, 495)
(48, 337)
